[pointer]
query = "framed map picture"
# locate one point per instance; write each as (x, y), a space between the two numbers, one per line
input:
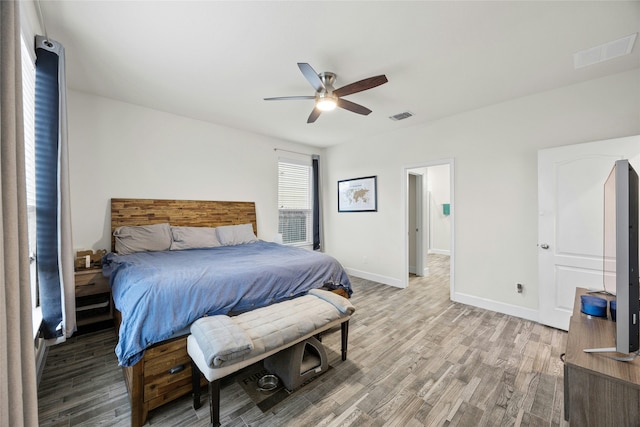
(357, 195)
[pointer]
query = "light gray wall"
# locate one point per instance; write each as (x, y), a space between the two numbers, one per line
(122, 150)
(439, 191)
(495, 184)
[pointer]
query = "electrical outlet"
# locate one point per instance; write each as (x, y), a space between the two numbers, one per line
(519, 288)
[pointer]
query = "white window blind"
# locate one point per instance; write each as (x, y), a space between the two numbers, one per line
(28, 100)
(294, 202)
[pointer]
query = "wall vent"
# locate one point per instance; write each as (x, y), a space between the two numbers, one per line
(604, 52)
(401, 116)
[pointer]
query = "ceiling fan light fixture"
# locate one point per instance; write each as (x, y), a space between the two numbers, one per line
(326, 104)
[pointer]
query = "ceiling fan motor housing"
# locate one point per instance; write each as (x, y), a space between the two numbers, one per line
(328, 79)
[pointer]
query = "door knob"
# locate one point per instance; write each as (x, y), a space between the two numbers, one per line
(544, 246)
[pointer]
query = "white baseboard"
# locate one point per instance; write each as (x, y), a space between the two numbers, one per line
(484, 303)
(499, 307)
(440, 252)
(375, 277)
(413, 270)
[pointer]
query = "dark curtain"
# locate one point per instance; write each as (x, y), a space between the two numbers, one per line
(315, 159)
(53, 230)
(46, 153)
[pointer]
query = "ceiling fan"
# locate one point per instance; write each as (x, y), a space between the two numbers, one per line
(327, 98)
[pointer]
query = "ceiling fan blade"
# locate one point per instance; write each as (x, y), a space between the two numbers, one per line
(353, 107)
(361, 85)
(288, 98)
(311, 75)
(314, 115)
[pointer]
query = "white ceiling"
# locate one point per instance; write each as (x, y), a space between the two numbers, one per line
(216, 60)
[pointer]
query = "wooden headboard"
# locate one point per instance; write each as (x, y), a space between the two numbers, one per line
(190, 213)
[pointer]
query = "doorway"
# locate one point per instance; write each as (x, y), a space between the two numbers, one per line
(429, 216)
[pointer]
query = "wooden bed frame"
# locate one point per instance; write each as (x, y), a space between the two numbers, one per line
(164, 373)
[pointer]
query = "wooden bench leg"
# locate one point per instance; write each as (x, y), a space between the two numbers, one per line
(344, 332)
(195, 384)
(214, 402)
(214, 395)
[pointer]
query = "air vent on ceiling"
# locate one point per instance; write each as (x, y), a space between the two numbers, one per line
(604, 52)
(401, 116)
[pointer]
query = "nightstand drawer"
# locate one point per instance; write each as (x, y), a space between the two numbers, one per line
(92, 289)
(90, 277)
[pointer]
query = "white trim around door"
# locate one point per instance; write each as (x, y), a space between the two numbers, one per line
(406, 170)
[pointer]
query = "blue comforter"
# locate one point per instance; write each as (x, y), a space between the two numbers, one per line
(160, 294)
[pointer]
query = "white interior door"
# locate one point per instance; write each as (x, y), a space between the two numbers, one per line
(415, 222)
(411, 198)
(570, 205)
(419, 227)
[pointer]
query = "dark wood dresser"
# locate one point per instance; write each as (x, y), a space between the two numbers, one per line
(598, 391)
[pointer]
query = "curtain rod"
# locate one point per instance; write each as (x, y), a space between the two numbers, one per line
(294, 152)
(41, 19)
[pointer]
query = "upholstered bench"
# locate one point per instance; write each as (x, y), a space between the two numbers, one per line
(221, 345)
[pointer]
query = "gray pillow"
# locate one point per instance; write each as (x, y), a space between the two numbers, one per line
(236, 234)
(193, 238)
(142, 238)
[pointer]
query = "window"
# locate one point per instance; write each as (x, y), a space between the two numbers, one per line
(28, 100)
(295, 202)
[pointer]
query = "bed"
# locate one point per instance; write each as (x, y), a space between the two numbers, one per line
(153, 353)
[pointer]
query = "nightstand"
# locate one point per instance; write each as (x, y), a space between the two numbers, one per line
(93, 297)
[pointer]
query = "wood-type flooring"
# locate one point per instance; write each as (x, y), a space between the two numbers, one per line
(415, 359)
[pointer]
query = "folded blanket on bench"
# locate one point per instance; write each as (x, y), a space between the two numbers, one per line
(343, 305)
(221, 339)
(226, 340)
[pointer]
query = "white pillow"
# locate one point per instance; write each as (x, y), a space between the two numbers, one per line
(142, 238)
(236, 234)
(193, 238)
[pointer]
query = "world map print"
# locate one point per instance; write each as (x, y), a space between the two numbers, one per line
(356, 195)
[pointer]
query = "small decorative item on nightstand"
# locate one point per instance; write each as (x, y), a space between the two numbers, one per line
(89, 259)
